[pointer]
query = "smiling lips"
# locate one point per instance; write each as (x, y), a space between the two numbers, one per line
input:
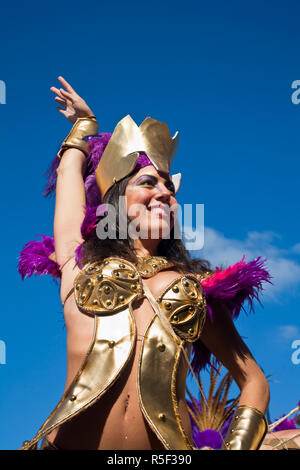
(159, 210)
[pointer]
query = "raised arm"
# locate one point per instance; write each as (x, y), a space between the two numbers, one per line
(69, 204)
(70, 189)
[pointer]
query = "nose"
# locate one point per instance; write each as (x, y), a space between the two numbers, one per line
(164, 193)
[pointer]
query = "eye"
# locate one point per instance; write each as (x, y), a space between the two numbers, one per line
(148, 181)
(151, 181)
(171, 187)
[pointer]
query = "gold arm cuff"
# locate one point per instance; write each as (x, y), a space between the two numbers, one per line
(82, 128)
(247, 429)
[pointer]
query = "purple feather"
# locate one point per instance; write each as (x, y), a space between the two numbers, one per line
(208, 438)
(79, 254)
(286, 424)
(237, 283)
(202, 438)
(88, 228)
(93, 196)
(230, 287)
(97, 144)
(34, 259)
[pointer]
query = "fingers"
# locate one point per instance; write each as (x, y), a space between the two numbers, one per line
(56, 91)
(66, 84)
(63, 98)
(61, 102)
(62, 94)
(67, 95)
(62, 111)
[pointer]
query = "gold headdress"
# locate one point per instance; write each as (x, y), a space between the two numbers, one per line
(126, 143)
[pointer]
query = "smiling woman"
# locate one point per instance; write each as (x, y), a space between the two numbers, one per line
(152, 218)
(137, 307)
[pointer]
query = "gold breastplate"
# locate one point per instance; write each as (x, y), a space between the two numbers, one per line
(106, 287)
(107, 290)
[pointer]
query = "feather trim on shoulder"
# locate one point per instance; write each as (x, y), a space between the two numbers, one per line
(231, 287)
(35, 258)
(235, 284)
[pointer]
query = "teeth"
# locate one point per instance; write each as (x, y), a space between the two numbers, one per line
(157, 207)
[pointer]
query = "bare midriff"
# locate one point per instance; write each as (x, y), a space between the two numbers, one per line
(115, 421)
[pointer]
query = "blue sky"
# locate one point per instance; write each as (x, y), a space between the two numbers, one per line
(220, 73)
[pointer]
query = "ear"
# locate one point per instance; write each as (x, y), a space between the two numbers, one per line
(176, 180)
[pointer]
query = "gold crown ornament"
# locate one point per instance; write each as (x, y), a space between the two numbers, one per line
(126, 143)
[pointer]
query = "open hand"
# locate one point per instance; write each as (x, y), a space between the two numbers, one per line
(75, 106)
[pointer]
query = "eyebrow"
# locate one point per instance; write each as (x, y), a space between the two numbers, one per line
(168, 180)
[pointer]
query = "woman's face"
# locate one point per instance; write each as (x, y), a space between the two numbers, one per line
(150, 203)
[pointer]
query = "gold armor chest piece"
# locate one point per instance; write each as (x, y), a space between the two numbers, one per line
(106, 290)
(106, 287)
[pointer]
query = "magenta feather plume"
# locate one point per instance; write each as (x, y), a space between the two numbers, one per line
(235, 284)
(34, 258)
(230, 287)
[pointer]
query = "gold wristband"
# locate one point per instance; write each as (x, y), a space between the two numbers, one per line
(247, 429)
(82, 128)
